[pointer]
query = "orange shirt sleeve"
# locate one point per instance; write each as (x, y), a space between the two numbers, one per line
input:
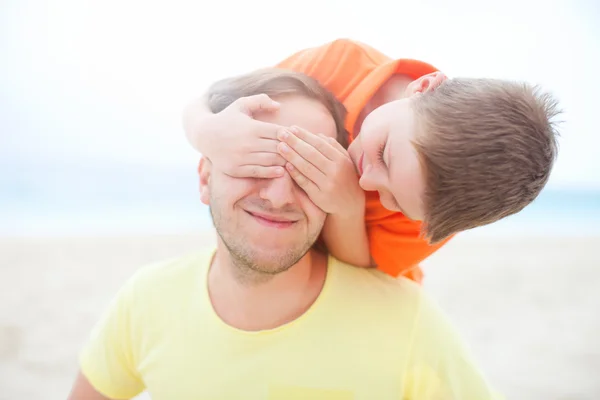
(341, 66)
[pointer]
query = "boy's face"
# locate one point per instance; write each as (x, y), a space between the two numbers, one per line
(387, 160)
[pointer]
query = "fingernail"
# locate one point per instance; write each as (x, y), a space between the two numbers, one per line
(284, 147)
(289, 166)
(282, 135)
(294, 129)
(278, 171)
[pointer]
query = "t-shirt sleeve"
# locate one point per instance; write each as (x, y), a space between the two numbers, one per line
(107, 359)
(397, 245)
(440, 366)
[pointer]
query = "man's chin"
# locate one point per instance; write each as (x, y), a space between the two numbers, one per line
(269, 254)
(268, 243)
(275, 259)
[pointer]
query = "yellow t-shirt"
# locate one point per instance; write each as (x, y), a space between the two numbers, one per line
(367, 336)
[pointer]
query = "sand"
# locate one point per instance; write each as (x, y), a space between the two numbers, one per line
(529, 308)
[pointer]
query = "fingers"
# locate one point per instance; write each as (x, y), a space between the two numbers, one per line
(335, 144)
(266, 130)
(252, 105)
(265, 159)
(262, 146)
(306, 151)
(257, 171)
(257, 103)
(315, 141)
(302, 181)
(305, 167)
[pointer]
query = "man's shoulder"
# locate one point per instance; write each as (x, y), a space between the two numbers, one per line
(372, 279)
(389, 305)
(170, 273)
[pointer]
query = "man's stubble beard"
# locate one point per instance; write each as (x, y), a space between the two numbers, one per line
(246, 264)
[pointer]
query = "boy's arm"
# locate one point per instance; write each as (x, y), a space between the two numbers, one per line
(194, 114)
(394, 247)
(346, 238)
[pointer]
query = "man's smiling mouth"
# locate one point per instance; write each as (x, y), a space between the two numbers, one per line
(272, 221)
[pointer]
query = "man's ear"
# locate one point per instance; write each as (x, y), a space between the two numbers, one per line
(204, 169)
(425, 83)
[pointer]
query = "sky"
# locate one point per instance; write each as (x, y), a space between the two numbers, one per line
(92, 83)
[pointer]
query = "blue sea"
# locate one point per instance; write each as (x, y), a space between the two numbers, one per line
(119, 199)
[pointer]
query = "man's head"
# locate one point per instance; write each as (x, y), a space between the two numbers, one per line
(268, 225)
(466, 154)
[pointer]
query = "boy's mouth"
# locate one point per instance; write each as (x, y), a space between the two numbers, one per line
(359, 164)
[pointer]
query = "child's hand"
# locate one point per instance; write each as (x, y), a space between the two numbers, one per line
(323, 168)
(241, 146)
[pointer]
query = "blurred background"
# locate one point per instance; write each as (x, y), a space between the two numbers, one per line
(96, 177)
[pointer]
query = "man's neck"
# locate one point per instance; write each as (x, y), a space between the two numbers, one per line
(263, 302)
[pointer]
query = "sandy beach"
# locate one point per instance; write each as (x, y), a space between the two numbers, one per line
(529, 308)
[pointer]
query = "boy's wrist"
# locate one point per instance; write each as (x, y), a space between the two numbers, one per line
(197, 122)
(205, 128)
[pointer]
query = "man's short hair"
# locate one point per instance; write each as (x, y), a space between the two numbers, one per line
(275, 83)
(487, 148)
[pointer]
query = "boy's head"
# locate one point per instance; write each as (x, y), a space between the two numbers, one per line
(466, 154)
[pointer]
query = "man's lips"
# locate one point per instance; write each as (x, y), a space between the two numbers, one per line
(274, 221)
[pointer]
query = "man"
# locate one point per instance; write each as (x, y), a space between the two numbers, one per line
(267, 316)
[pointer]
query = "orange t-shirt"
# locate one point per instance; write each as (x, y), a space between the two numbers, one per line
(353, 72)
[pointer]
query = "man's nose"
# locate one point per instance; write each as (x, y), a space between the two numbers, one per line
(278, 191)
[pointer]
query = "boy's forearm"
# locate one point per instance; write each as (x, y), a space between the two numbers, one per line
(346, 238)
(193, 115)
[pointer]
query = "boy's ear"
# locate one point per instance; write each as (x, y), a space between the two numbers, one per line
(204, 169)
(425, 83)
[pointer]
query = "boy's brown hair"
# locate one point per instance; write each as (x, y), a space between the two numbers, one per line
(275, 83)
(487, 148)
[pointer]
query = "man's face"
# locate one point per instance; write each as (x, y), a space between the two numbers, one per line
(268, 224)
(387, 160)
